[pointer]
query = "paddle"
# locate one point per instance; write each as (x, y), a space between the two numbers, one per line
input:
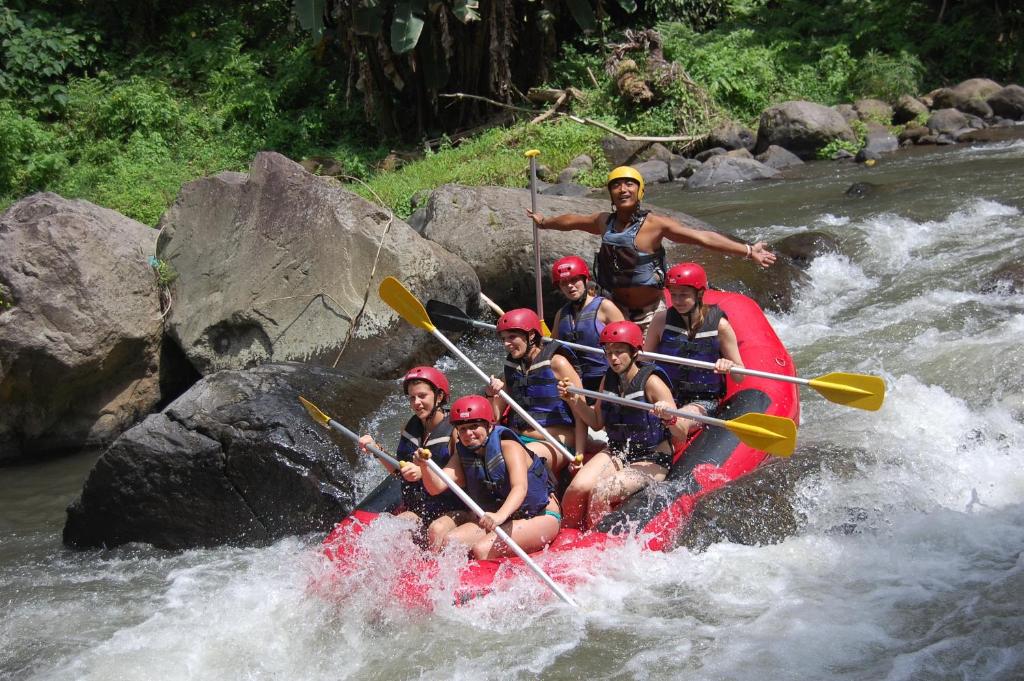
(424, 454)
(772, 434)
(532, 154)
(325, 420)
(861, 391)
(411, 310)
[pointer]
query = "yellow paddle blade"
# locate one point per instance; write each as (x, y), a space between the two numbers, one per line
(773, 434)
(531, 153)
(317, 415)
(402, 301)
(854, 390)
(544, 330)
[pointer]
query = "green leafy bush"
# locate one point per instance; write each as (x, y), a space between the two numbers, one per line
(30, 153)
(887, 76)
(37, 54)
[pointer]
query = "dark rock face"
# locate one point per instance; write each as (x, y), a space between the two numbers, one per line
(801, 127)
(731, 135)
(802, 248)
(653, 172)
(1007, 279)
(778, 158)
(758, 508)
(728, 170)
(234, 460)
(620, 152)
(1008, 102)
(873, 111)
(80, 327)
(282, 265)
(959, 96)
(880, 140)
(907, 109)
(946, 121)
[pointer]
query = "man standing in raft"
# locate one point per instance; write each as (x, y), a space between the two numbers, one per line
(583, 317)
(506, 479)
(631, 262)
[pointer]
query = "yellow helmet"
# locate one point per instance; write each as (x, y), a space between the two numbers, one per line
(632, 174)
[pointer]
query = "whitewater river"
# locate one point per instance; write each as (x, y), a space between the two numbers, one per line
(908, 565)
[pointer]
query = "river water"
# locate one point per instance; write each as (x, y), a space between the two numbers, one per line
(908, 566)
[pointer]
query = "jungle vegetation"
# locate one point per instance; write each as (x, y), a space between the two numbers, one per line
(122, 102)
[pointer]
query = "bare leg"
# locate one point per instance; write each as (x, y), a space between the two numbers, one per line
(614, 489)
(531, 534)
(440, 529)
(577, 496)
(552, 459)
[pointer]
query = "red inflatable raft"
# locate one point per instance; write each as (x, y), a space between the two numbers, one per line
(710, 459)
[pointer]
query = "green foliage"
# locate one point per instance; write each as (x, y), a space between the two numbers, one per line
(164, 271)
(30, 153)
(493, 158)
(37, 53)
(836, 145)
(887, 76)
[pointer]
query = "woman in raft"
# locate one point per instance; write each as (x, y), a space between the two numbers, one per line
(693, 330)
(583, 317)
(427, 390)
(505, 478)
(639, 449)
(532, 372)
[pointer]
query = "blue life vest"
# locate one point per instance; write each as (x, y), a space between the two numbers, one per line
(633, 432)
(487, 480)
(536, 391)
(414, 496)
(689, 383)
(619, 264)
(584, 329)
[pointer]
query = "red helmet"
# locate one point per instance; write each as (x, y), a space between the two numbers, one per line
(687, 274)
(521, 319)
(623, 332)
(568, 267)
(428, 375)
(471, 408)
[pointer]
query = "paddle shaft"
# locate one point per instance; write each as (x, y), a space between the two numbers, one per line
(379, 453)
(502, 534)
(625, 401)
(508, 399)
(493, 305)
(536, 234)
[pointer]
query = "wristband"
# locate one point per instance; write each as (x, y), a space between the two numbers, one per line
(750, 252)
(670, 422)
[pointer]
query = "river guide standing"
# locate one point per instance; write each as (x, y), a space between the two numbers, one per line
(631, 262)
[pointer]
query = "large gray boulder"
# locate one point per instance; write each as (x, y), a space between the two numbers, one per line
(907, 109)
(873, 111)
(236, 460)
(80, 327)
(488, 227)
(961, 96)
(879, 140)
(946, 121)
(801, 127)
(1008, 102)
(729, 170)
(778, 158)
(278, 264)
(731, 135)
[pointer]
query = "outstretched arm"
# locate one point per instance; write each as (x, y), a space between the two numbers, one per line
(681, 234)
(570, 221)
